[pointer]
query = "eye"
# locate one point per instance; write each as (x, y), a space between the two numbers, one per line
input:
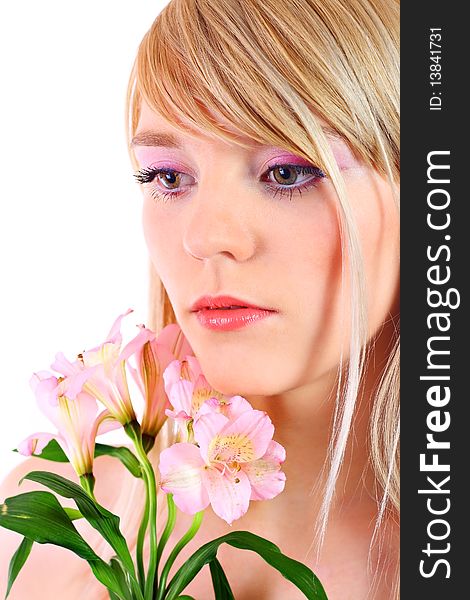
(170, 180)
(291, 179)
(284, 175)
(167, 182)
(279, 179)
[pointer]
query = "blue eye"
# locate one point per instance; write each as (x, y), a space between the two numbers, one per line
(285, 182)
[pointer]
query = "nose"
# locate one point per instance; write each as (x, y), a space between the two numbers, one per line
(220, 224)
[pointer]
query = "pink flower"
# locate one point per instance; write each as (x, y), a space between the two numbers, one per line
(104, 369)
(188, 390)
(233, 461)
(152, 358)
(75, 415)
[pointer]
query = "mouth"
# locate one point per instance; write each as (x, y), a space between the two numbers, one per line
(226, 313)
(224, 303)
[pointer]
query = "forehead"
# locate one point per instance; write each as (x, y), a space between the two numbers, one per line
(154, 130)
(153, 126)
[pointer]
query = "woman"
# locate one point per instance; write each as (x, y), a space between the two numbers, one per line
(265, 138)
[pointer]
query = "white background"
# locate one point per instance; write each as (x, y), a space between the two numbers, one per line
(72, 256)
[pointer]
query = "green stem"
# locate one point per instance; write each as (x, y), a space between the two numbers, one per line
(187, 537)
(148, 442)
(87, 481)
(133, 431)
(140, 544)
(170, 525)
(152, 513)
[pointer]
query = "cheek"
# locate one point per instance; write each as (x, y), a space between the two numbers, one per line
(162, 237)
(314, 277)
(378, 225)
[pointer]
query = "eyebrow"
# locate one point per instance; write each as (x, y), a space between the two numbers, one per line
(152, 138)
(168, 140)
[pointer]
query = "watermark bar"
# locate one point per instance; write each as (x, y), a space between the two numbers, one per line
(435, 260)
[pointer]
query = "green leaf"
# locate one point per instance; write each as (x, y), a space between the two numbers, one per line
(123, 453)
(106, 575)
(101, 519)
(52, 451)
(222, 589)
(39, 517)
(73, 514)
(299, 574)
(17, 561)
(122, 577)
(186, 598)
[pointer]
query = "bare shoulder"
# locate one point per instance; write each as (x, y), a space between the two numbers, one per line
(51, 571)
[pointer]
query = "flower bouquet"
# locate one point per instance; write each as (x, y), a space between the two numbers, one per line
(224, 455)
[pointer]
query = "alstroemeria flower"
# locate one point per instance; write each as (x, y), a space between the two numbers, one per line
(232, 462)
(75, 415)
(152, 358)
(188, 390)
(105, 365)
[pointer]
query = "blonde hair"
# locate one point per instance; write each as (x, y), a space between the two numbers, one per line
(272, 69)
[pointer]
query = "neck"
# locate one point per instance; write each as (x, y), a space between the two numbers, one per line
(303, 419)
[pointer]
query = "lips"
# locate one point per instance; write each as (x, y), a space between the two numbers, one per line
(223, 302)
(226, 313)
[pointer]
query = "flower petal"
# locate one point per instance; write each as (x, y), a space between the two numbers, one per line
(73, 384)
(152, 359)
(203, 392)
(180, 395)
(229, 493)
(180, 468)
(190, 368)
(63, 366)
(243, 440)
(44, 385)
(105, 355)
(266, 478)
(135, 345)
(206, 428)
(236, 406)
(35, 443)
(183, 421)
(46, 398)
(106, 422)
(231, 407)
(172, 374)
(114, 334)
(173, 338)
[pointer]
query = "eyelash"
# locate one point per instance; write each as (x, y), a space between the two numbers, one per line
(148, 174)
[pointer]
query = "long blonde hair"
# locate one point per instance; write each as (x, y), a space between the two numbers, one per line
(272, 69)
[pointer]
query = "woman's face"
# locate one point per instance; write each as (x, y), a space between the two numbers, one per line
(223, 220)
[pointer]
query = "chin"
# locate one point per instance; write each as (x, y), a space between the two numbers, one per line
(239, 378)
(242, 386)
(239, 366)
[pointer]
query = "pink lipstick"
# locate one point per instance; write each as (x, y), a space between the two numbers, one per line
(226, 313)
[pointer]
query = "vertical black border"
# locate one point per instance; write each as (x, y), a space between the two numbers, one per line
(423, 131)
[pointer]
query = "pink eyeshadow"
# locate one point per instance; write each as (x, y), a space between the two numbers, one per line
(147, 155)
(342, 154)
